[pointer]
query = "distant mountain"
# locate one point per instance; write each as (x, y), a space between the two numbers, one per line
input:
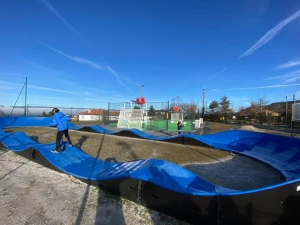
(2, 114)
(35, 111)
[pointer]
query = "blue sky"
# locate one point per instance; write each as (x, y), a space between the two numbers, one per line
(78, 53)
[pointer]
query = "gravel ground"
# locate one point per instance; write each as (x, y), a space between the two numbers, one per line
(33, 194)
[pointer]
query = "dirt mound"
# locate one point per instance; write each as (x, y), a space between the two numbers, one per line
(250, 128)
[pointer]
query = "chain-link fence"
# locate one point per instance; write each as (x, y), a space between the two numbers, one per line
(149, 116)
(155, 116)
(43, 111)
(134, 115)
(248, 120)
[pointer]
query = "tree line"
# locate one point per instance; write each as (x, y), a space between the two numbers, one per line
(259, 107)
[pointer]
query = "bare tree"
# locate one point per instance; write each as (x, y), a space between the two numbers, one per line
(253, 109)
(191, 109)
(244, 112)
(177, 101)
(261, 103)
(257, 106)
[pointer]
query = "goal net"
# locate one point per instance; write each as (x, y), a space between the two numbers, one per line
(176, 116)
(131, 118)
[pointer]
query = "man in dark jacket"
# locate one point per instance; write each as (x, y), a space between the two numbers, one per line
(60, 120)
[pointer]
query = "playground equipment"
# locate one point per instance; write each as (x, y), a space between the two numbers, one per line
(133, 117)
(176, 115)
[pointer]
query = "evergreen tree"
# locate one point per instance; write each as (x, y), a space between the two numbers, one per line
(151, 111)
(224, 106)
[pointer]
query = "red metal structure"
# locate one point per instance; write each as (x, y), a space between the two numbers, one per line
(175, 108)
(140, 100)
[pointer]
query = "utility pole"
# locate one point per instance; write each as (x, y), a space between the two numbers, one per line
(286, 109)
(25, 110)
(286, 104)
(203, 95)
(142, 87)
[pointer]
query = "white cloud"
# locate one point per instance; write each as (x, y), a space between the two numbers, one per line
(75, 58)
(52, 89)
(223, 70)
(90, 63)
(54, 11)
(270, 34)
(288, 76)
(43, 67)
(292, 79)
(118, 78)
(9, 85)
(5, 88)
(43, 97)
(289, 64)
(104, 99)
(264, 87)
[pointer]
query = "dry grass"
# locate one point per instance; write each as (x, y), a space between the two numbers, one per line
(212, 164)
(218, 127)
(121, 149)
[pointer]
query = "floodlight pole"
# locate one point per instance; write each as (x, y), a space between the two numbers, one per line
(142, 87)
(203, 95)
(25, 109)
(286, 103)
(286, 120)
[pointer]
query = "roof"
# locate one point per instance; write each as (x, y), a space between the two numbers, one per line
(98, 112)
(92, 112)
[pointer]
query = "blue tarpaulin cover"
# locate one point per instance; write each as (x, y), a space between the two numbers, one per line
(280, 152)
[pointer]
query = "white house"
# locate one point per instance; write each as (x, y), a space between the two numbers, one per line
(96, 114)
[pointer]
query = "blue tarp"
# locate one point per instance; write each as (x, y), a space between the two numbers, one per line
(279, 152)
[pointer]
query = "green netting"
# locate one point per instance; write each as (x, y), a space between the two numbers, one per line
(167, 125)
(157, 125)
(163, 125)
(187, 125)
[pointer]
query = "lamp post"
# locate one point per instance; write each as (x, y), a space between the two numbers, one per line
(286, 110)
(285, 107)
(203, 95)
(142, 87)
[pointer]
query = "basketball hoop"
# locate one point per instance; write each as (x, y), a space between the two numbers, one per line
(140, 101)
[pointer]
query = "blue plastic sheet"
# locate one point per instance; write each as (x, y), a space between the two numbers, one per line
(279, 152)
